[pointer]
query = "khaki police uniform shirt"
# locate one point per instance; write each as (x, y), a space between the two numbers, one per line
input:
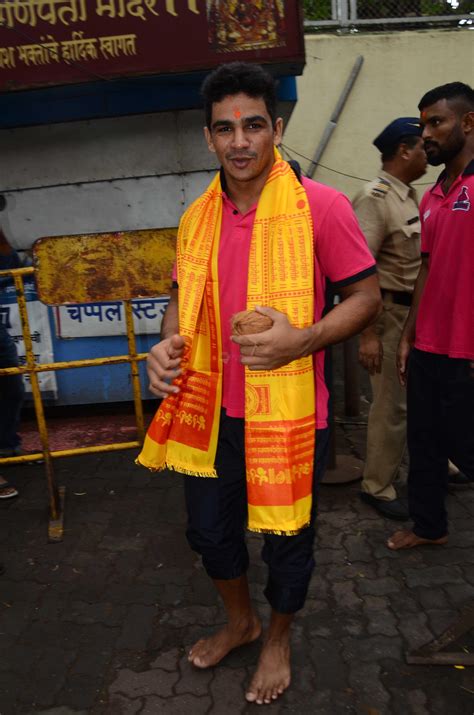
(387, 210)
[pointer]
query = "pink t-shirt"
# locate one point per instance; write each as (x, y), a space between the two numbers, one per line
(341, 255)
(445, 322)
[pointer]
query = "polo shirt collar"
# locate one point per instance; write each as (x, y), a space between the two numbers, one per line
(401, 189)
(468, 171)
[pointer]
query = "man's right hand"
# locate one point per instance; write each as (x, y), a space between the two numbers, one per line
(371, 353)
(403, 353)
(163, 365)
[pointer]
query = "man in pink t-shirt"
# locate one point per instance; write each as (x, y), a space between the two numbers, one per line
(242, 129)
(438, 337)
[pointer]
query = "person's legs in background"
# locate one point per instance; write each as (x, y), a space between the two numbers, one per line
(11, 400)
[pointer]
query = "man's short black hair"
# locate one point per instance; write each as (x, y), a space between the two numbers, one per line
(456, 92)
(235, 78)
(410, 140)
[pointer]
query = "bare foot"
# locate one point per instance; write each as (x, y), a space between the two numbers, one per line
(407, 540)
(210, 651)
(273, 673)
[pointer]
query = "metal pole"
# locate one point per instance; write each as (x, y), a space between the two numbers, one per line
(56, 497)
(330, 127)
(353, 8)
(344, 15)
(132, 351)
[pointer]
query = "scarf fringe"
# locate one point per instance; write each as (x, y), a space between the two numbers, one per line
(278, 532)
(182, 469)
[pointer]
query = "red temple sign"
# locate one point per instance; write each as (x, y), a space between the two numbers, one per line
(52, 42)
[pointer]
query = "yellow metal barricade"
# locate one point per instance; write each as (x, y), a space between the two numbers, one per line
(86, 269)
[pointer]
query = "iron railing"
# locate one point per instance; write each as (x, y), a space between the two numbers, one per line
(344, 14)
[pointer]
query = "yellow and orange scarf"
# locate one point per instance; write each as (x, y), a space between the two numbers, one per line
(279, 404)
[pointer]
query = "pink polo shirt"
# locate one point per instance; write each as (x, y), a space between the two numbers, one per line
(445, 322)
(341, 255)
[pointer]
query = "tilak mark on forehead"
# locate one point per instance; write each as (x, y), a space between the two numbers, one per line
(237, 113)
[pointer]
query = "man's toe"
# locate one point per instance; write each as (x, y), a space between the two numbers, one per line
(251, 696)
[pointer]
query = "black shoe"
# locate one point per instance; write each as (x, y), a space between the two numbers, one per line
(394, 509)
(459, 479)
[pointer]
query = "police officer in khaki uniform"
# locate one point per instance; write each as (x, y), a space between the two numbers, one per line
(387, 209)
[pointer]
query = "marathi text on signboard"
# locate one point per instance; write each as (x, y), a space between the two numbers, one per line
(80, 320)
(67, 41)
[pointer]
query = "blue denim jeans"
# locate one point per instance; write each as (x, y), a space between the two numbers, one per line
(11, 394)
(217, 515)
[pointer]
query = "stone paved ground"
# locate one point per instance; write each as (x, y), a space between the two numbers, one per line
(99, 623)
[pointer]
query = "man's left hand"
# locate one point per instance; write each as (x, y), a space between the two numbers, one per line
(278, 346)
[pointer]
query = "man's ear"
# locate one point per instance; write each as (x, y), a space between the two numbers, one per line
(208, 138)
(278, 131)
(467, 122)
(404, 151)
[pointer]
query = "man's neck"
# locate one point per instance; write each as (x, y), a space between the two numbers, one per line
(396, 171)
(245, 194)
(456, 166)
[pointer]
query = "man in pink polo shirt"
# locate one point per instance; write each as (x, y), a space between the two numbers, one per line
(242, 129)
(438, 337)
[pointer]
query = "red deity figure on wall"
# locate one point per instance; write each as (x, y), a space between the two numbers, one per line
(235, 25)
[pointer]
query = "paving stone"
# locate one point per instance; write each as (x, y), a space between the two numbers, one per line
(414, 628)
(345, 595)
(439, 619)
(118, 705)
(374, 648)
(350, 570)
(109, 614)
(192, 679)
(433, 598)
(329, 667)
(178, 705)
(59, 711)
(228, 688)
(461, 594)
(378, 587)
(14, 618)
(326, 556)
(80, 691)
(132, 593)
(201, 615)
(371, 695)
(137, 627)
(114, 543)
(432, 576)
(403, 602)
(358, 548)
(418, 702)
(150, 682)
(381, 623)
(167, 660)
(91, 661)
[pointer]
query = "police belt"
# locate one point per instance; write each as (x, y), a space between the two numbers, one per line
(396, 296)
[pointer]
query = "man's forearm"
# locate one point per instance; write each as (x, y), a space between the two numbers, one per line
(170, 322)
(359, 309)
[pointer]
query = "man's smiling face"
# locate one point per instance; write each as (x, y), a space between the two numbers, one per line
(242, 136)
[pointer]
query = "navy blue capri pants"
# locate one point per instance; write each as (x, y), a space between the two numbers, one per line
(217, 518)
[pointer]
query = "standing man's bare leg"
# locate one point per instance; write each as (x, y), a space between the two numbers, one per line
(243, 624)
(273, 673)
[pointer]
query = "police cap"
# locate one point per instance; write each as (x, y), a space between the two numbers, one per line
(391, 135)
